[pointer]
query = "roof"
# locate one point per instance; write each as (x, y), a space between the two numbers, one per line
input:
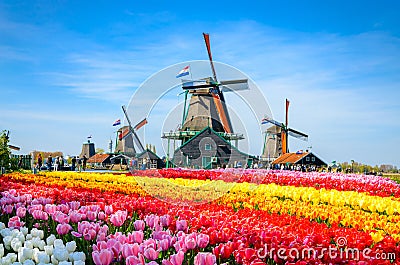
(290, 158)
(121, 156)
(148, 154)
(214, 132)
(98, 158)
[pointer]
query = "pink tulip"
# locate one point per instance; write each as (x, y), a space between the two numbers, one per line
(104, 257)
(75, 216)
(139, 225)
(137, 237)
(165, 220)
(151, 254)
(15, 222)
(21, 212)
(108, 209)
(63, 229)
(202, 240)
(91, 216)
(101, 216)
(177, 259)
(190, 242)
(203, 258)
(133, 260)
(181, 225)
(40, 215)
(50, 208)
(163, 244)
(60, 217)
(74, 205)
(118, 218)
(8, 209)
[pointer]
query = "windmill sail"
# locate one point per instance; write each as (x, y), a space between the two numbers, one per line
(297, 134)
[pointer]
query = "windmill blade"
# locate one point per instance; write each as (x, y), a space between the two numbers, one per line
(274, 122)
(13, 147)
(137, 141)
(140, 124)
(234, 85)
(297, 134)
(126, 116)
(222, 113)
(207, 41)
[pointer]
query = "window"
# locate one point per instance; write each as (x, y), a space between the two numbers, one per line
(313, 159)
(206, 162)
(307, 159)
(207, 147)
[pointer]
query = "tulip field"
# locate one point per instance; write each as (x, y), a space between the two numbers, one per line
(201, 217)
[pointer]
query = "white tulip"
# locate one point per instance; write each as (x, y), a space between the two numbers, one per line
(34, 232)
(65, 263)
(20, 236)
(14, 232)
(61, 254)
(29, 237)
(35, 253)
(35, 241)
(41, 244)
(1, 250)
(54, 260)
(15, 244)
(58, 243)
(7, 242)
(24, 230)
(2, 226)
(79, 262)
(40, 234)
(48, 250)
(5, 232)
(28, 262)
(28, 244)
(27, 253)
(75, 256)
(71, 246)
(16, 263)
(42, 257)
(50, 240)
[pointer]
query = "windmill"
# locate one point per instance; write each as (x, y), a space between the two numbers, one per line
(207, 119)
(129, 138)
(207, 106)
(278, 134)
(13, 147)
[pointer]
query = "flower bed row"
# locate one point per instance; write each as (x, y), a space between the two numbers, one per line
(235, 236)
(374, 185)
(346, 208)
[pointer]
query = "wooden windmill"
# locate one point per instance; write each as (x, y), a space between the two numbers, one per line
(207, 106)
(207, 117)
(276, 139)
(129, 142)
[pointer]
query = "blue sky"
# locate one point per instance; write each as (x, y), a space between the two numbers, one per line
(66, 67)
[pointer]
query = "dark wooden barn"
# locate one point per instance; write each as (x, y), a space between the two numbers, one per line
(208, 149)
(303, 159)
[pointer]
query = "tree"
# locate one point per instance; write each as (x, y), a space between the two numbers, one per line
(99, 151)
(4, 151)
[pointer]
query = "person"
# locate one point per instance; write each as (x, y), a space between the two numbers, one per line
(73, 162)
(49, 162)
(56, 163)
(61, 162)
(40, 161)
(79, 164)
(84, 162)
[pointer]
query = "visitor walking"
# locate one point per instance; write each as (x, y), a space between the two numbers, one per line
(84, 162)
(79, 164)
(73, 163)
(56, 163)
(49, 163)
(61, 162)
(39, 161)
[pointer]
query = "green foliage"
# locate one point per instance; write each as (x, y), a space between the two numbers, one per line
(5, 160)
